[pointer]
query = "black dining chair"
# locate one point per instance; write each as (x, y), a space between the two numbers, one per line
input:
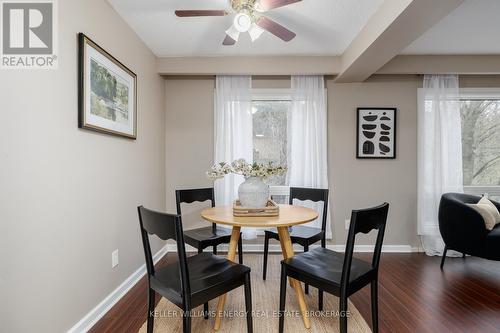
(201, 238)
(302, 235)
(340, 274)
(188, 282)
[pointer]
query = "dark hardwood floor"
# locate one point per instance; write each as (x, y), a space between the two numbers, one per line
(414, 296)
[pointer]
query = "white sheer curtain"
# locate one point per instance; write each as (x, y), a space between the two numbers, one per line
(233, 134)
(307, 139)
(439, 153)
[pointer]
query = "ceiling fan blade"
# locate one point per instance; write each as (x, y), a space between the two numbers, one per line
(276, 29)
(228, 41)
(197, 13)
(265, 5)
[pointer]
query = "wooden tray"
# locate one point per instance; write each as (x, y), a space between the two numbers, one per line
(271, 209)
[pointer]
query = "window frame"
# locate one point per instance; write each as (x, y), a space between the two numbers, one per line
(273, 95)
(480, 94)
(277, 95)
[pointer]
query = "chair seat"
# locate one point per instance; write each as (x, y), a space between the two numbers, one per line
(300, 234)
(204, 237)
(210, 276)
(325, 267)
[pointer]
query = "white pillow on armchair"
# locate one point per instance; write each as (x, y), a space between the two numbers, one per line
(488, 211)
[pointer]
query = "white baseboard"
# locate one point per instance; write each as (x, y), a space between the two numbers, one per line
(275, 248)
(91, 318)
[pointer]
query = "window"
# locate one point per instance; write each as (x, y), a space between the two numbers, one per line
(270, 109)
(269, 115)
(480, 113)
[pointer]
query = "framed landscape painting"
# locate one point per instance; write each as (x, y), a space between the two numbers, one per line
(376, 133)
(107, 92)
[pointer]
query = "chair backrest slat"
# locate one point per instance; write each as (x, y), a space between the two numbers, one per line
(166, 227)
(364, 221)
(159, 224)
(195, 195)
(312, 194)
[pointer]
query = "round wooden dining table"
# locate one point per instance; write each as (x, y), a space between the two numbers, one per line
(289, 215)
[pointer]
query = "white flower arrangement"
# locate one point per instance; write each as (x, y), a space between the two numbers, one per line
(242, 167)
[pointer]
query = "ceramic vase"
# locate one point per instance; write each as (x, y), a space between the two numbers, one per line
(253, 193)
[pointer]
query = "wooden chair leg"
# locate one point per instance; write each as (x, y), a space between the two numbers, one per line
(343, 314)
(205, 310)
(374, 290)
(444, 256)
(281, 313)
(205, 306)
(266, 252)
(240, 250)
(186, 322)
(151, 309)
(306, 286)
(248, 303)
(320, 292)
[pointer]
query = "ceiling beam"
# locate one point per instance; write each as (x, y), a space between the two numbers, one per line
(443, 64)
(395, 25)
(279, 65)
(475, 64)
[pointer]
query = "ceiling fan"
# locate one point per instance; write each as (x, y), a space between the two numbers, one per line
(249, 18)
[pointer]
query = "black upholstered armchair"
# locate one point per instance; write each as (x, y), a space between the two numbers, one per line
(463, 230)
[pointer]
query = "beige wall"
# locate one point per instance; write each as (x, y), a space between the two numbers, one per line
(189, 139)
(359, 183)
(69, 196)
(354, 183)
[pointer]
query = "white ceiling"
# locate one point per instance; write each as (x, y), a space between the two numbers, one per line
(472, 28)
(323, 27)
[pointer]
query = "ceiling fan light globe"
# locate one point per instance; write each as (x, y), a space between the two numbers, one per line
(233, 33)
(255, 32)
(242, 22)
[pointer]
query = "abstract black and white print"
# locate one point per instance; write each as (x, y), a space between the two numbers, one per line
(376, 133)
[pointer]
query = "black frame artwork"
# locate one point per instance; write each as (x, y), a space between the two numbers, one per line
(104, 124)
(376, 133)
